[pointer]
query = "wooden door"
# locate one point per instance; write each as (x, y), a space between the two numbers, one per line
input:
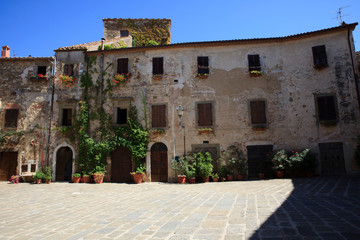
(159, 163)
(64, 158)
(332, 159)
(121, 165)
(8, 165)
(257, 158)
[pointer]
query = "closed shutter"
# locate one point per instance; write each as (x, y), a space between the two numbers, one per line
(11, 118)
(205, 115)
(319, 55)
(67, 117)
(326, 108)
(158, 116)
(203, 65)
(258, 113)
(123, 66)
(69, 69)
(121, 116)
(158, 65)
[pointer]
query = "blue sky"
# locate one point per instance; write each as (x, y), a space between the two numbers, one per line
(38, 27)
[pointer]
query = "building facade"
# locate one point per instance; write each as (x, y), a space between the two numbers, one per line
(291, 92)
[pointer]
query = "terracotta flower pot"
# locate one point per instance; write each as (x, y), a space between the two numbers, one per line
(98, 178)
(230, 177)
(223, 179)
(205, 179)
(85, 179)
(47, 181)
(215, 179)
(181, 179)
(261, 175)
(76, 179)
(138, 177)
(280, 174)
(192, 180)
(240, 177)
(38, 181)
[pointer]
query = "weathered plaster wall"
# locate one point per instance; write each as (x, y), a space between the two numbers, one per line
(31, 97)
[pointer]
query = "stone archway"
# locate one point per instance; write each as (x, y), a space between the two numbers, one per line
(159, 162)
(55, 160)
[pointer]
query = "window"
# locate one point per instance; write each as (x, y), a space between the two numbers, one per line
(254, 62)
(319, 55)
(41, 70)
(121, 116)
(124, 33)
(326, 108)
(11, 118)
(158, 116)
(258, 112)
(203, 65)
(123, 66)
(66, 117)
(158, 65)
(204, 114)
(69, 69)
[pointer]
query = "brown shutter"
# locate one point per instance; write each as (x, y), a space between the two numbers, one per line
(158, 65)
(158, 115)
(69, 69)
(258, 114)
(205, 117)
(123, 66)
(11, 118)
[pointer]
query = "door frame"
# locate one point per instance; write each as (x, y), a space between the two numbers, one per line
(64, 144)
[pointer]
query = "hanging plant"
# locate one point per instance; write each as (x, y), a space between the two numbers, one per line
(120, 79)
(66, 80)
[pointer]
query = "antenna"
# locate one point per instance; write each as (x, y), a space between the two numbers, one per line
(340, 15)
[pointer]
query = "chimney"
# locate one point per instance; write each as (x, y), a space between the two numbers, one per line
(5, 52)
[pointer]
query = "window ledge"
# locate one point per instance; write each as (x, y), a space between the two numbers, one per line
(259, 127)
(157, 77)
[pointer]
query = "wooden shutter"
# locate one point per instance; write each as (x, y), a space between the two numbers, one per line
(319, 55)
(203, 65)
(326, 108)
(258, 113)
(254, 62)
(123, 66)
(205, 116)
(158, 116)
(11, 118)
(158, 65)
(69, 69)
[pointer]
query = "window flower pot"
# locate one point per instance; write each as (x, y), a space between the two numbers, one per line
(256, 73)
(121, 79)
(205, 130)
(202, 76)
(157, 77)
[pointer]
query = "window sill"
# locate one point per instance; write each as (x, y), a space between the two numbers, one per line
(321, 66)
(202, 76)
(329, 123)
(157, 77)
(38, 78)
(205, 130)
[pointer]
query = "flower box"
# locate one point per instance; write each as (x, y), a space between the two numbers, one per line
(121, 79)
(255, 73)
(38, 77)
(66, 81)
(157, 77)
(259, 128)
(202, 75)
(205, 130)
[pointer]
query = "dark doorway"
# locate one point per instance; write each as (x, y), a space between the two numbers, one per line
(332, 159)
(257, 160)
(121, 165)
(8, 165)
(64, 157)
(159, 163)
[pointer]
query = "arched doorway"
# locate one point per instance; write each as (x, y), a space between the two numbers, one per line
(121, 165)
(64, 157)
(159, 163)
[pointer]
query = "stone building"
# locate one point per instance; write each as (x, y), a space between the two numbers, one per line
(24, 103)
(292, 92)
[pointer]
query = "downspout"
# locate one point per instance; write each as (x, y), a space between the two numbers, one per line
(51, 113)
(353, 69)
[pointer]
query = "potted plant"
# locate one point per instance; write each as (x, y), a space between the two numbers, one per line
(179, 164)
(223, 173)
(98, 175)
(14, 179)
(230, 169)
(48, 175)
(215, 177)
(205, 130)
(202, 75)
(138, 174)
(38, 176)
(310, 164)
(255, 73)
(76, 177)
(240, 165)
(296, 163)
(190, 173)
(279, 161)
(204, 166)
(157, 76)
(85, 178)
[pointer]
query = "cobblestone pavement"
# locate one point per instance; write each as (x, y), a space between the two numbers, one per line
(317, 208)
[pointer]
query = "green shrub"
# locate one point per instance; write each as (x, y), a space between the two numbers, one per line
(38, 175)
(151, 43)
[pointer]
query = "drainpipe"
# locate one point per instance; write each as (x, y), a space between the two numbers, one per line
(353, 69)
(51, 113)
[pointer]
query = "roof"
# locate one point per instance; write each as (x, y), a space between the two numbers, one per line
(26, 58)
(228, 42)
(137, 19)
(91, 45)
